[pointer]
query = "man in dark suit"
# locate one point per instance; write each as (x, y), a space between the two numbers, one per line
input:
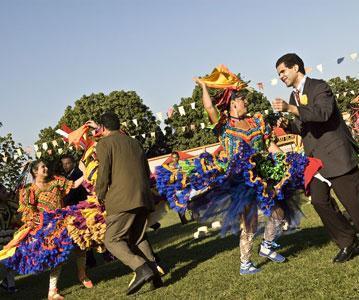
(123, 185)
(325, 136)
(72, 172)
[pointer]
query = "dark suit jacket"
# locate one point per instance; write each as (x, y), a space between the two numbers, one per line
(78, 194)
(323, 130)
(123, 179)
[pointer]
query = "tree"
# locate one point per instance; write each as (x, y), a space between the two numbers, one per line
(345, 91)
(127, 105)
(184, 131)
(12, 159)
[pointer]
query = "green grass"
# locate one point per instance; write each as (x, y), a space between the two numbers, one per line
(209, 269)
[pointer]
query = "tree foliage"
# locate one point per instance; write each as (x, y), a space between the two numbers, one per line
(126, 104)
(12, 158)
(343, 88)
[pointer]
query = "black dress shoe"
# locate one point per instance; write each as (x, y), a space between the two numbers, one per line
(346, 253)
(143, 274)
(156, 280)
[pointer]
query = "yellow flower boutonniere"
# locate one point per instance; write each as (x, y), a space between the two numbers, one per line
(303, 100)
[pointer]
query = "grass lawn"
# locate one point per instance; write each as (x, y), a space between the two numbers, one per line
(209, 269)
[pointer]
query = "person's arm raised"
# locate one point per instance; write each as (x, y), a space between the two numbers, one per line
(207, 102)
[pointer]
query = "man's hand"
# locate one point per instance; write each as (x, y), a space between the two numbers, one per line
(280, 105)
(92, 124)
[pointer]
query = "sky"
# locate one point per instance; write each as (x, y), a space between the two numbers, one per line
(54, 52)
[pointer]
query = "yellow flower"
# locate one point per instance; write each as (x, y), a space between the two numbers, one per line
(303, 100)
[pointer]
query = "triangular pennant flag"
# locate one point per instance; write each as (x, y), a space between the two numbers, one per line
(164, 131)
(337, 95)
(183, 128)
(60, 150)
(266, 112)
(44, 146)
(202, 125)
(354, 55)
(320, 68)
(193, 105)
(54, 143)
(308, 70)
(133, 136)
(274, 81)
(352, 92)
(19, 152)
(340, 60)
(181, 110)
(159, 116)
(4, 158)
(143, 135)
(135, 122)
(345, 93)
(38, 154)
(170, 112)
(16, 156)
(124, 124)
(193, 127)
(36, 147)
(153, 134)
(71, 148)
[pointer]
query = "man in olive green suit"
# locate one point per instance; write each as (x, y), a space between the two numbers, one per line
(123, 186)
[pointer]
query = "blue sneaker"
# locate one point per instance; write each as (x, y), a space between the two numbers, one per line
(248, 268)
(271, 254)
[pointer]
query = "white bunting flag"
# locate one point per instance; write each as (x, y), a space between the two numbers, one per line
(183, 128)
(193, 105)
(352, 92)
(71, 148)
(320, 68)
(44, 146)
(54, 143)
(344, 94)
(135, 122)
(159, 116)
(202, 125)
(4, 159)
(193, 127)
(274, 81)
(143, 135)
(36, 147)
(19, 152)
(16, 156)
(266, 112)
(124, 124)
(38, 154)
(181, 110)
(354, 55)
(60, 150)
(133, 136)
(153, 134)
(62, 133)
(164, 131)
(337, 95)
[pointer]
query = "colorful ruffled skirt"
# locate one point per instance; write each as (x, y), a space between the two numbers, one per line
(220, 190)
(36, 248)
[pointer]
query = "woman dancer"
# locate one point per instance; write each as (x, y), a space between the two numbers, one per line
(254, 174)
(44, 241)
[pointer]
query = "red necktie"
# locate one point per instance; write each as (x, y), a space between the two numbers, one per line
(296, 96)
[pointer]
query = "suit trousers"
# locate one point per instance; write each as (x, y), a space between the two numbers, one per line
(346, 187)
(126, 239)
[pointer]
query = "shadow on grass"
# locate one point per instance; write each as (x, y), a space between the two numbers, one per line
(177, 247)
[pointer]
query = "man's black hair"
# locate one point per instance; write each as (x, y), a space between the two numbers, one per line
(110, 121)
(291, 59)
